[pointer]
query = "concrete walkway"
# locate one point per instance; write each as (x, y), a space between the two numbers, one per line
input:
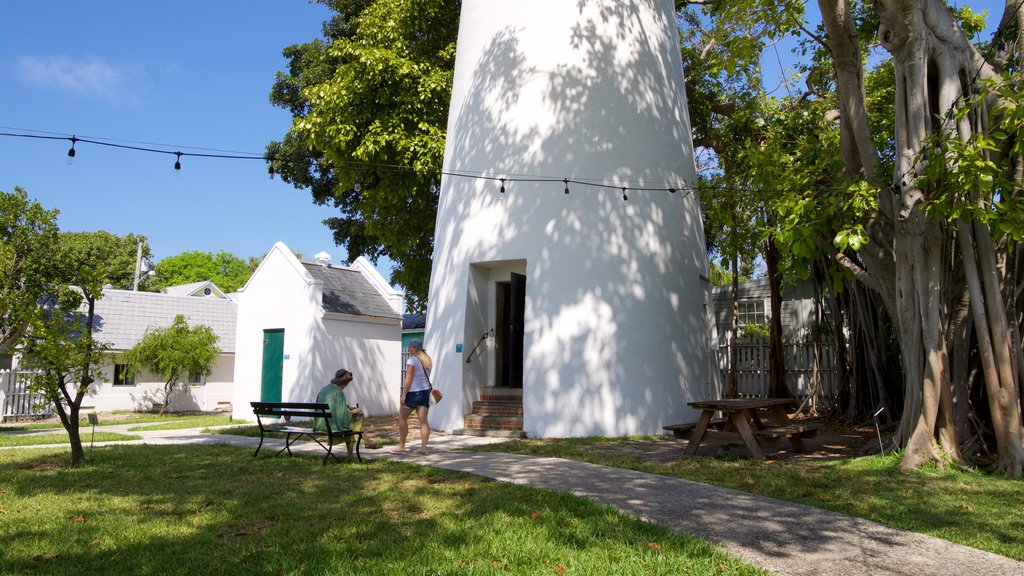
(780, 537)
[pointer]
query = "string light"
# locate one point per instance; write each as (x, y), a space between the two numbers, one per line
(624, 197)
(71, 151)
(358, 168)
(433, 186)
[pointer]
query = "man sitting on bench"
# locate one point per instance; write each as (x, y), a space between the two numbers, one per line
(343, 417)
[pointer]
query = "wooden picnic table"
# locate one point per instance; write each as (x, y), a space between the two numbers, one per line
(743, 423)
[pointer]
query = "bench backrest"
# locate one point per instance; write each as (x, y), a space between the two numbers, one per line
(291, 409)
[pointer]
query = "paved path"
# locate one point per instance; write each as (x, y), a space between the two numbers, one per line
(781, 537)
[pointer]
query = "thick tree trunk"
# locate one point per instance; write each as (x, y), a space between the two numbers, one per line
(777, 387)
(734, 352)
(933, 61)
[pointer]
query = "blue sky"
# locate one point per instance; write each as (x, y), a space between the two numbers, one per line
(184, 75)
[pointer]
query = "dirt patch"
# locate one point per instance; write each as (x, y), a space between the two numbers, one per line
(384, 430)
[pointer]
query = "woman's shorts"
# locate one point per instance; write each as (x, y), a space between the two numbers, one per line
(416, 399)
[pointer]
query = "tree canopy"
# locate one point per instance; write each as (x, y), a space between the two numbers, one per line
(227, 271)
(370, 107)
(28, 234)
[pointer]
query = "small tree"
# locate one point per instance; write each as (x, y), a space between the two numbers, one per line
(174, 352)
(58, 342)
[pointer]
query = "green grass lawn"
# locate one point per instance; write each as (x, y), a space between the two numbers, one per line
(970, 508)
(61, 438)
(193, 422)
(215, 510)
(121, 418)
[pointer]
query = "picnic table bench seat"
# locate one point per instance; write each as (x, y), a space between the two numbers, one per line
(682, 430)
(795, 433)
(300, 410)
(788, 431)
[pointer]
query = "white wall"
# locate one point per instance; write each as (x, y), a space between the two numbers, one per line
(282, 295)
(149, 391)
(616, 329)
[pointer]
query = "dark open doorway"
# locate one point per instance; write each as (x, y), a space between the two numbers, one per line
(510, 311)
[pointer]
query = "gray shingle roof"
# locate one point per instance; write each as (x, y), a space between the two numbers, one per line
(122, 316)
(192, 288)
(346, 291)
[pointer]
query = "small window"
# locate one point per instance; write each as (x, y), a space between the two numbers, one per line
(196, 378)
(122, 376)
(751, 312)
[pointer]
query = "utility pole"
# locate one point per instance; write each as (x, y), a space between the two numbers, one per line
(138, 266)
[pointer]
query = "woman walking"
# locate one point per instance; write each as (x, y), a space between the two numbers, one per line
(415, 395)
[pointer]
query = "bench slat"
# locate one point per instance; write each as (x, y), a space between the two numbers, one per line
(680, 430)
(799, 430)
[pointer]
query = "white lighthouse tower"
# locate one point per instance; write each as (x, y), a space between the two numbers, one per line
(593, 302)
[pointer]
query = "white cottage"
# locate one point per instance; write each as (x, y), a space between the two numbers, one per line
(122, 318)
(300, 321)
(569, 267)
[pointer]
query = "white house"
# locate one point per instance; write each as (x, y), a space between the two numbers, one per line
(122, 318)
(300, 321)
(569, 264)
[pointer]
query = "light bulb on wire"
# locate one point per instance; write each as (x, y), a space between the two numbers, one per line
(177, 164)
(71, 151)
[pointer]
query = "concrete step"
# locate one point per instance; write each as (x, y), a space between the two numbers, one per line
(501, 394)
(497, 408)
(486, 422)
(489, 433)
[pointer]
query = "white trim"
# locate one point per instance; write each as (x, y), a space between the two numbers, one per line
(290, 258)
(395, 298)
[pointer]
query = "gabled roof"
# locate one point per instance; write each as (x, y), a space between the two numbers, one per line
(204, 289)
(348, 291)
(122, 316)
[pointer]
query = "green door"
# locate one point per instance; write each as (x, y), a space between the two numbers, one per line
(273, 365)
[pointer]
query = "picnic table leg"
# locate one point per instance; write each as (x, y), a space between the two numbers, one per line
(780, 414)
(739, 419)
(698, 433)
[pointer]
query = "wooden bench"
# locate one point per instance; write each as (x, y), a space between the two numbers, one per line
(793, 432)
(681, 430)
(303, 410)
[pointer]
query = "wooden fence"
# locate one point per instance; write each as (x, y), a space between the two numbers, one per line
(753, 369)
(16, 402)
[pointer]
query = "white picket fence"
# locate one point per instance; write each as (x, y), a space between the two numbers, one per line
(753, 369)
(16, 402)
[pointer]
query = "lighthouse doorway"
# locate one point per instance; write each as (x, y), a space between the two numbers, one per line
(510, 312)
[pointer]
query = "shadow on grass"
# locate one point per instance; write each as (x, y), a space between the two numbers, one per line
(215, 509)
(970, 508)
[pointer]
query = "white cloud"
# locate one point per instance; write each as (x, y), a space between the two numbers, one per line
(88, 77)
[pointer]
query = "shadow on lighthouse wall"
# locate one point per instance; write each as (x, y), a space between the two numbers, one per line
(616, 332)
